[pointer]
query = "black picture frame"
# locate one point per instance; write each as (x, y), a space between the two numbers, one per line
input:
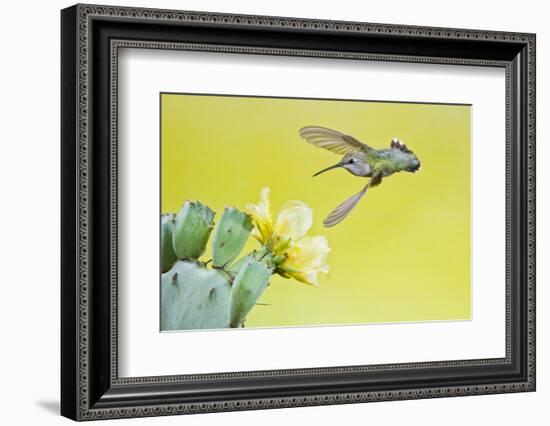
(90, 386)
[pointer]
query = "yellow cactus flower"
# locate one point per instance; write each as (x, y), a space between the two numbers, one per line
(297, 256)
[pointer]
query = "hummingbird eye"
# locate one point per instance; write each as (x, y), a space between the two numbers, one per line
(351, 161)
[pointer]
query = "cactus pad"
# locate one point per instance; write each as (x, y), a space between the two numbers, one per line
(230, 236)
(194, 297)
(167, 255)
(248, 286)
(192, 228)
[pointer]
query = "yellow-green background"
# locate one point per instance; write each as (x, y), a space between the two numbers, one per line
(404, 252)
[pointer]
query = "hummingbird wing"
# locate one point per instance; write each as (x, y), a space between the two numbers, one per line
(341, 211)
(333, 140)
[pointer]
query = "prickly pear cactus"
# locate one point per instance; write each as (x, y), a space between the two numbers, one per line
(230, 236)
(196, 296)
(167, 255)
(192, 228)
(248, 286)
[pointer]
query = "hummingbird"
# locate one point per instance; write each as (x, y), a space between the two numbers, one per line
(360, 160)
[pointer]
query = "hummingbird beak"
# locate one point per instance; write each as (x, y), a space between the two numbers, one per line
(327, 169)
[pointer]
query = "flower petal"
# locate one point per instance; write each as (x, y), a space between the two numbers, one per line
(309, 253)
(306, 258)
(261, 213)
(308, 277)
(294, 220)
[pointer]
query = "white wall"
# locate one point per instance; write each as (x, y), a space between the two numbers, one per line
(29, 225)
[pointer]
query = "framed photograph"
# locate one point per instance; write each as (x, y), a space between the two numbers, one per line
(263, 212)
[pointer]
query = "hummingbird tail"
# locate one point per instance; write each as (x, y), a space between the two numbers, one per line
(340, 212)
